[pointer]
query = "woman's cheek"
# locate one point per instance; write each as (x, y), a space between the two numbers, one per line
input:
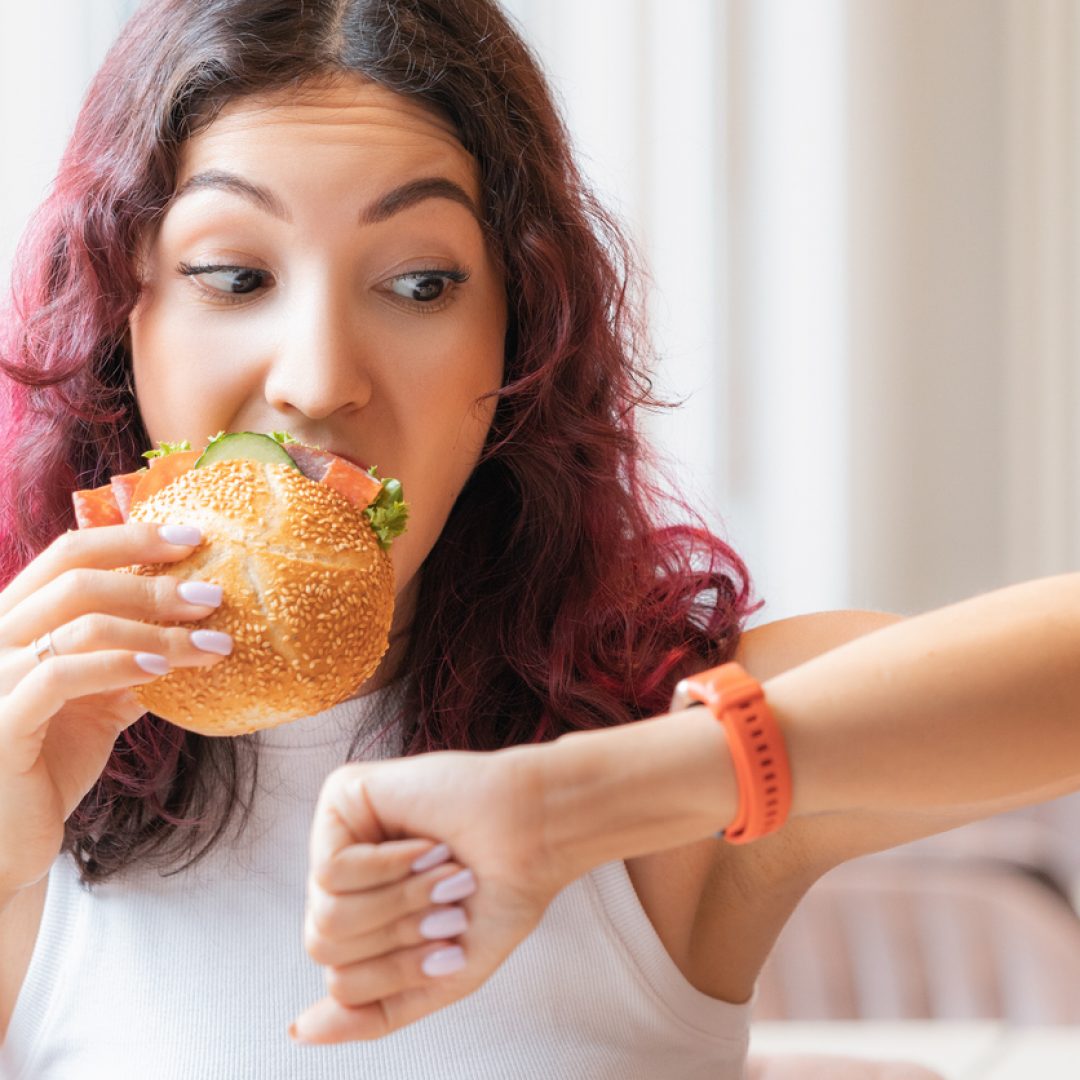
(428, 512)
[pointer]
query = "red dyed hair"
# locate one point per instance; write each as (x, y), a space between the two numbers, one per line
(563, 592)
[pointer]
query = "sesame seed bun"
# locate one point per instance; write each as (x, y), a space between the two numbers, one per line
(308, 596)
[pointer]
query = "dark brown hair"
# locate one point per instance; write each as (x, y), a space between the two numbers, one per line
(566, 590)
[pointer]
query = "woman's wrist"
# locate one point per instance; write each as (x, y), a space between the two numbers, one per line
(615, 793)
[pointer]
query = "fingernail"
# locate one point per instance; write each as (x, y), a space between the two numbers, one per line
(296, 1034)
(180, 534)
(455, 887)
(438, 854)
(449, 922)
(152, 662)
(444, 961)
(212, 641)
(200, 592)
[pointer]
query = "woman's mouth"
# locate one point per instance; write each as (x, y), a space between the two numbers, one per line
(348, 457)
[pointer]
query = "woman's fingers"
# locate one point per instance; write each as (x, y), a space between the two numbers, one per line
(33, 702)
(73, 591)
(329, 1021)
(106, 547)
(95, 632)
(365, 1004)
(333, 918)
(425, 926)
(405, 969)
(82, 591)
(366, 866)
(369, 899)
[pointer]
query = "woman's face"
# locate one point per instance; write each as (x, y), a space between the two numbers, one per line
(322, 271)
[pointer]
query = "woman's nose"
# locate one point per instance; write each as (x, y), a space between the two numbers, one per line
(319, 365)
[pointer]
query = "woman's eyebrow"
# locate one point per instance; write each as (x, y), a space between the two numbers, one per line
(388, 204)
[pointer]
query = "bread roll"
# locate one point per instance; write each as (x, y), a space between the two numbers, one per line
(308, 596)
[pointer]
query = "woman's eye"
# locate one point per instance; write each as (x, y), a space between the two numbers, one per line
(427, 286)
(428, 289)
(227, 280)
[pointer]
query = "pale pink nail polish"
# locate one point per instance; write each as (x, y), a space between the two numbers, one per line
(444, 961)
(438, 854)
(446, 923)
(455, 887)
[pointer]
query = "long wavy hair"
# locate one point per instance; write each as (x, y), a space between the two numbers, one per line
(571, 586)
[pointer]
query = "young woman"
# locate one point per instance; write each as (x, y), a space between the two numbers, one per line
(359, 221)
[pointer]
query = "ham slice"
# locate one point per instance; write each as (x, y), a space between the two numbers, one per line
(355, 484)
(111, 503)
(162, 471)
(96, 506)
(123, 488)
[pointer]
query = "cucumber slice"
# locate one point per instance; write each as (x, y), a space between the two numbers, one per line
(249, 445)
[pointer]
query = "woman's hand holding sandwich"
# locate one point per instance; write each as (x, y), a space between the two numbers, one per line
(75, 636)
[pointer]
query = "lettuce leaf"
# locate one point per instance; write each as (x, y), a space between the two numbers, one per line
(388, 521)
(166, 448)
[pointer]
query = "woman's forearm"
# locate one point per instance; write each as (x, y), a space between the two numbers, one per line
(614, 793)
(955, 708)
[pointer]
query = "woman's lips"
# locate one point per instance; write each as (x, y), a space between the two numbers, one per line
(348, 457)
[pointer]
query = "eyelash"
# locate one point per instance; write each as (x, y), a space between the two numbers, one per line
(454, 276)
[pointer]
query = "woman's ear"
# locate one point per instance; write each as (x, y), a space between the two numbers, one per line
(128, 364)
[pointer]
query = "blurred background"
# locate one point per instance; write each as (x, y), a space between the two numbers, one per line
(862, 223)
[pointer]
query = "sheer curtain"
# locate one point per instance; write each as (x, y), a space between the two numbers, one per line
(861, 222)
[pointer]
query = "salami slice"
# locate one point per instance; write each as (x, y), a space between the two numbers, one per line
(310, 460)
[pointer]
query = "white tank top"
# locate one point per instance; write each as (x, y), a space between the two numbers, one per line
(197, 976)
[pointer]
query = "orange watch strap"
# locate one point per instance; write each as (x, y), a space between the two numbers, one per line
(758, 750)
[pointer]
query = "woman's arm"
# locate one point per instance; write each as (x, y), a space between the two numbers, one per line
(955, 714)
(960, 712)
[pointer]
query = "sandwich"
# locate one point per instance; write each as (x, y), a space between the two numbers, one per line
(299, 539)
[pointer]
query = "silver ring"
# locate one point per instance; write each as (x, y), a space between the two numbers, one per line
(43, 645)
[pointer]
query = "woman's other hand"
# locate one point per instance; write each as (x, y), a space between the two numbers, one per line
(476, 821)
